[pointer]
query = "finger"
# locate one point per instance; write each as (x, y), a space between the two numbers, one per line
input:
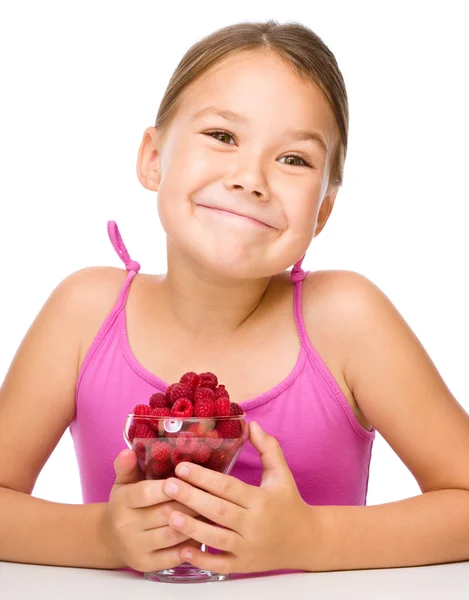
(145, 493)
(224, 486)
(216, 509)
(151, 517)
(160, 537)
(206, 533)
(126, 468)
(217, 563)
(167, 558)
(274, 464)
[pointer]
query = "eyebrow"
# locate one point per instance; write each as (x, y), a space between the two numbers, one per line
(297, 134)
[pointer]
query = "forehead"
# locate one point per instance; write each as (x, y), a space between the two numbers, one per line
(264, 89)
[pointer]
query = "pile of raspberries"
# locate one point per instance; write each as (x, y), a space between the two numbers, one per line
(205, 442)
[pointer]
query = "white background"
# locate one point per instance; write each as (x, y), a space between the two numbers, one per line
(82, 80)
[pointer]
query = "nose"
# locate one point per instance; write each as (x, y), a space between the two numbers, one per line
(248, 176)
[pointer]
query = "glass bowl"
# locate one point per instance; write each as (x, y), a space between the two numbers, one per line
(161, 443)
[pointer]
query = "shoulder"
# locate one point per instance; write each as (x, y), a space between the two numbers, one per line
(352, 312)
(91, 288)
(88, 296)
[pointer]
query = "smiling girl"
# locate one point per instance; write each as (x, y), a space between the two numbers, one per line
(246, 158)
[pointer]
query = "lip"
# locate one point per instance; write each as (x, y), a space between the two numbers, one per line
(232, 212)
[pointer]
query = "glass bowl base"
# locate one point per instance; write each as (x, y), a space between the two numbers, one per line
(185, 573)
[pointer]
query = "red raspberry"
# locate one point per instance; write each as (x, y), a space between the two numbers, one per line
(168, 392)
(202, 393)
(182, 408)
(181, 390)
(158, 400)
(141, 410)
(186, 442)
(160, 469)
(201, 428)
(208, 380)
(235, 409)
(177, 456)
(222, 407)
(158, 412)
(132, 429)
(204, 408)
(141, 451)
(161, 451)
(220, 392)
(213, 438)
(218, 460)
(144, 431)
(229, 429)
(202, 454)
(191, 379)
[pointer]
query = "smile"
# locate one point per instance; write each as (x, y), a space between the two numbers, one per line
(231, 214)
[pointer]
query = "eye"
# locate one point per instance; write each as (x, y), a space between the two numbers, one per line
(225, 133)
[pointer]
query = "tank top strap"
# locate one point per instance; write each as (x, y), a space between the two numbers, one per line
(119, 247)
(297, 276)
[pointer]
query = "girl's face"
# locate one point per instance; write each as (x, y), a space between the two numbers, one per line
(232, 147)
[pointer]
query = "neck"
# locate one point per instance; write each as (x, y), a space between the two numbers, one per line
(208, 306)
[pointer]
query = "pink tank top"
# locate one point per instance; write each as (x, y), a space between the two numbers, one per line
(326, 448)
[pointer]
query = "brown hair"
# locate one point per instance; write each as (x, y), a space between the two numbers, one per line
(299, 47)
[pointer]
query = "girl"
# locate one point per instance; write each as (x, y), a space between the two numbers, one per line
(247, 157)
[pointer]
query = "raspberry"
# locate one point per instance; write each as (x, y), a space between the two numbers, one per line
(141, 410)
(202, 454)
(222, 407)
(204, 408)
(201, 428)
(229, 429)
(140, 451)
(182, 408)
(235, 409)
(202, 393)
(161, 451)
(168, 392)
(160, 468)
(158, 400)
(218, 460)
(208, 380)
(186, 442)
(132, 429)
(181, 390)
(213, 439)
(156, 413)
(220, 392)
(177, 456)
(160, 412)
(191, 379)
(144, 431)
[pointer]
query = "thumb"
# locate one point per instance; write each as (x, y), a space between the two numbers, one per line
(274, 465)
(126, 468)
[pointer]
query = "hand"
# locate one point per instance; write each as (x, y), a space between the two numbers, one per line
(262, 528)
(136, 520)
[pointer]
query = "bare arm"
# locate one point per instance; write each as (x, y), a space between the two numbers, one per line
(37, 404)
(400, 391)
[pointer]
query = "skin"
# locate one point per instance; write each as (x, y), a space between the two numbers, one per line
(219, 266)
(214, 310)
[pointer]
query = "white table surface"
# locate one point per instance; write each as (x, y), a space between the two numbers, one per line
(36, 582)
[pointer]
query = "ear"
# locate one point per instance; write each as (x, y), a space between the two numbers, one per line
(326, 208)
(148, 160)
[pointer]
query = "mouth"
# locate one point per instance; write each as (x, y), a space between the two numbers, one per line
(234, 214)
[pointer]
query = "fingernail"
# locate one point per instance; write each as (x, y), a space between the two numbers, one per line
(172, 489)
(182, 471)
(187, 555)
(178, 521)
